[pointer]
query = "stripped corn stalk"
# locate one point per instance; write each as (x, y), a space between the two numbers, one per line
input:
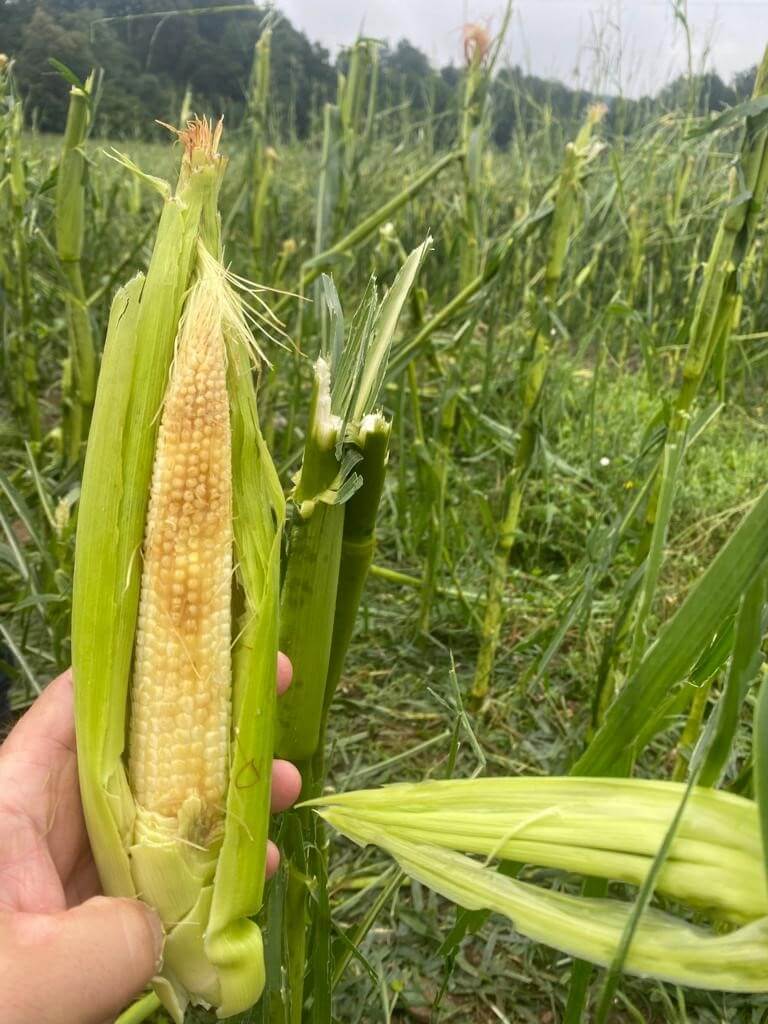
(343, 426)
(537, 359)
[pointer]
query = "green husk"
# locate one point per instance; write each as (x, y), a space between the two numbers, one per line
(714, 864)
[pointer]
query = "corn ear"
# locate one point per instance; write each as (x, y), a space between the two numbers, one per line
(187, 835)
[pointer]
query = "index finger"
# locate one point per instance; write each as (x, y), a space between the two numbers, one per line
(284, 672)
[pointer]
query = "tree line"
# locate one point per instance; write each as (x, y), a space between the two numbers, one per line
(153, 60)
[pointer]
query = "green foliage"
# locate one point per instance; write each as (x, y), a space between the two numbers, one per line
(150, 62)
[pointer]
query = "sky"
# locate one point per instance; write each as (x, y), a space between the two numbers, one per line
(612, 46)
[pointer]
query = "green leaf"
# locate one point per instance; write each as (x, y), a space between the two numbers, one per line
(745, 662)
(386, 322)
(67, 74)
(24, 515)
(636, 710)
(336, 314)
(750, 108)
(760, 769)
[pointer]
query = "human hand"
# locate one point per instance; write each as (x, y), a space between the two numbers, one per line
(67, 954)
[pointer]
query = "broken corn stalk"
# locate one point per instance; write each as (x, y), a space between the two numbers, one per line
(331, 543)
(174, 627)
(344, 459)
(604, 828)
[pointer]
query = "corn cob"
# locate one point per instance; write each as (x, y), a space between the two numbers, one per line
(180, 701)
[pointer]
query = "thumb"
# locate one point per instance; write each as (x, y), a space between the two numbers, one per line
(79, 966)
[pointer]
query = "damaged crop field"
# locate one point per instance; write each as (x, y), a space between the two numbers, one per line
(472, 429)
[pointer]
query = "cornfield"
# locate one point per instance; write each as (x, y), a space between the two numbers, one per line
(476, 437)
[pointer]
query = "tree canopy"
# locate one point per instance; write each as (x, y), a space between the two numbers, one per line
(152, 58)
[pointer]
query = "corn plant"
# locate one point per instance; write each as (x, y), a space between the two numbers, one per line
(331, 545)
(20, 357)
(565, 200)
(263, 155)
(79, 368)
(710, 327)
(481, 53)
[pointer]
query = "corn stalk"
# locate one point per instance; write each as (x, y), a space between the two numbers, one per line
(711, 323)
(21, 356)
(263, 155)
(536, 365)
(481, 53)
(79, 369)
(331, 544)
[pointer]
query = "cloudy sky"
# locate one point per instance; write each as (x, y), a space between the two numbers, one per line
(628, 45)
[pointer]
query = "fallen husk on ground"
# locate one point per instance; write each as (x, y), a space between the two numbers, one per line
(606, 828)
